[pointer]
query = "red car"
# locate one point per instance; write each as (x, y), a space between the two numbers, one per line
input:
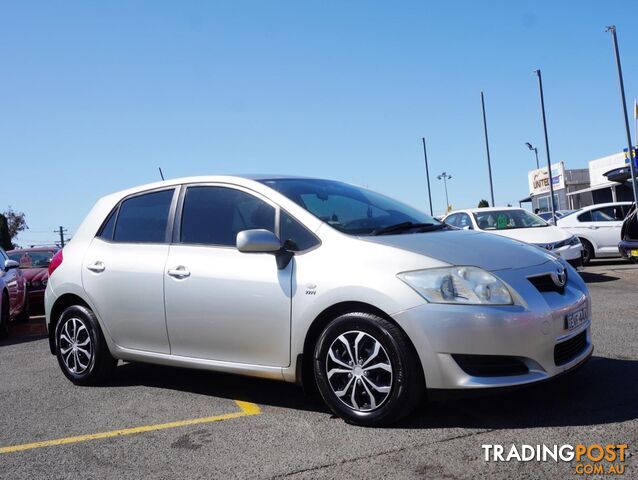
(34, 264)
(13, 297)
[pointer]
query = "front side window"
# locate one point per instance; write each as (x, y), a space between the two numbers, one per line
(349, 209)
(144, 218)
(464, 221)
(452, 219)
(607, 214)
(508, 219)
(215, 215)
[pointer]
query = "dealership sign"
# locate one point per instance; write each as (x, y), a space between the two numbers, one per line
(539, 180)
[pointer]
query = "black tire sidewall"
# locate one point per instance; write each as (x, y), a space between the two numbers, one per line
(402, 378)
(588, 251)
(88, 318)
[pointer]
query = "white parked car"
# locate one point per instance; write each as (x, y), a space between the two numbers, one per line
(598, 227)
(310, 281)
(519, 224)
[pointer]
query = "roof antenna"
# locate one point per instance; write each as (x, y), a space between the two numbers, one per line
(161, 174)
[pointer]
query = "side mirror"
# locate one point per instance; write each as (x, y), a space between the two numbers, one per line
(467, 227)
(258, 241)
(11, 264)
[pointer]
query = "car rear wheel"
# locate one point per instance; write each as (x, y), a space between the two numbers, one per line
(367, 371)
(81, 349)
(588, 251)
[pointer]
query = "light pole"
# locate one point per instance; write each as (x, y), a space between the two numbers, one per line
(531, 147)
(549, 162)
(445, 177)
(427, 175)
(612, 29)
(487, 149)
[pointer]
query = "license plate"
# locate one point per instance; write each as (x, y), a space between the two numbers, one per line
(575, 319)
(633, 253)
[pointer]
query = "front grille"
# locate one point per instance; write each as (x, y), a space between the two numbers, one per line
(566, 351)
(545, 283)
(490, 365)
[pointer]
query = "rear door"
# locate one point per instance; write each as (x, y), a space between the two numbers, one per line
(222, 304)
(123, 270)
(605, 226)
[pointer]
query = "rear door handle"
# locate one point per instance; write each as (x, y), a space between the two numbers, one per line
(179, 272)
(96, 267)
(593, 227)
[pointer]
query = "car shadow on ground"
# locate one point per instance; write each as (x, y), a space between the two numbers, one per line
(602, 391)
(18, 339)
(591, 277)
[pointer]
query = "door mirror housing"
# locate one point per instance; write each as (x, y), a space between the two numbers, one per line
(11, 264)
(258, 241)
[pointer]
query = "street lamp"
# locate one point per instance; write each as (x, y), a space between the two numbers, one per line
(531, 147)
(445, 177)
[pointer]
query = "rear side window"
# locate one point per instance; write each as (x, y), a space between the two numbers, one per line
(106, 232)
(143, 218)
(297, 236)
(215, 215)
(584, 217)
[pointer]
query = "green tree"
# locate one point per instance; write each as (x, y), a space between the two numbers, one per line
(483, 203)
(15, 223)
(5, 238)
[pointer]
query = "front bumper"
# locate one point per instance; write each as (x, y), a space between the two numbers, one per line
(626, 247)
(527, 332)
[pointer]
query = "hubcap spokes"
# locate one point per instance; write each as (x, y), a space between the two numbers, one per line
(75, 346)
(359, 371)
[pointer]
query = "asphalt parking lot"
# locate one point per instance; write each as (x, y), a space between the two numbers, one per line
(167, 423)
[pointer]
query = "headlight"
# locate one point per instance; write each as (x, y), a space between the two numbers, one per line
(463, 285)
(573, 240)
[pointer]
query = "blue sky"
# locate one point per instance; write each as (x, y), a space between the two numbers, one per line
(94, 96)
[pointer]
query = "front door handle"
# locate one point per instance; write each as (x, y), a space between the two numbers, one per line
(179, 272)
(96, 267)
(592, 227)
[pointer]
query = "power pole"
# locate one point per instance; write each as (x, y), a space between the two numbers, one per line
(612, 29)
(549, 161)
(427, 175)
(61, 231)
(487, 149)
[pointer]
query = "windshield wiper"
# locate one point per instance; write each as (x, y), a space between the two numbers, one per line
(405, 226)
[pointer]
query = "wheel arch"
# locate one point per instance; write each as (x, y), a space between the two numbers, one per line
(61, 304)
(304, 368)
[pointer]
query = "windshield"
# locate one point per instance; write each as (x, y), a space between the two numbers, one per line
(32, 259)
(508, 219)
(350, 209)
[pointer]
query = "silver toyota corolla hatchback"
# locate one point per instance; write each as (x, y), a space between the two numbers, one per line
(308, 280)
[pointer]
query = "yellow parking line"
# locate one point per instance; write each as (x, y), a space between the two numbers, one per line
(246, 409)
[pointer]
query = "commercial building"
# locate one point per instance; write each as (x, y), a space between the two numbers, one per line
(605, 180)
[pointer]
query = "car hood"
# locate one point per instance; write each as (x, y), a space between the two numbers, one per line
(539, 235)
(35, 274)
(463, 247)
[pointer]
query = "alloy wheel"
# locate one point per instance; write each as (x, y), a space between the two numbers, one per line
(75, 346)
(359, 371)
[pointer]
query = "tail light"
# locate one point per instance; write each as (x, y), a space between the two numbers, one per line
(56, 261)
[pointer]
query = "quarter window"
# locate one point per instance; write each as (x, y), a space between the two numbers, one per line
(298, 238)
(144, 218)
(106, 232)
(215, 215)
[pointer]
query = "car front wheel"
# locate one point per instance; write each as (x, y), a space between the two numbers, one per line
(81, 349)
(367, 371)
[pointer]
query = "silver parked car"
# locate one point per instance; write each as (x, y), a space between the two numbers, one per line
(308, 280)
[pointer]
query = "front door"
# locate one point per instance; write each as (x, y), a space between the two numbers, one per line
(222, 304)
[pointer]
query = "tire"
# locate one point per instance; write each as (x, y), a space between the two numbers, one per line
(351, 394)
(23, 316)
(90, 362)
(4, 316)
(588, 251)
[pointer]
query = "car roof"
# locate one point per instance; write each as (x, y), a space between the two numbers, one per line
(34, 249)
(602, 205)
(484, 209)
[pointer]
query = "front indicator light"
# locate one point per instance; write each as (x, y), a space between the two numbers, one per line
(458, 285)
